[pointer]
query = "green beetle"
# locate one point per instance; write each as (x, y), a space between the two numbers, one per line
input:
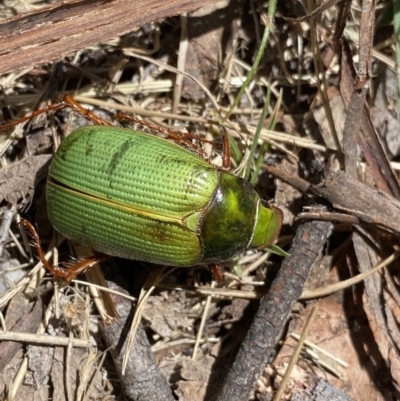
(134, 195)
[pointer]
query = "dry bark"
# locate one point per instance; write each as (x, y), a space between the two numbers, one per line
(52, 32)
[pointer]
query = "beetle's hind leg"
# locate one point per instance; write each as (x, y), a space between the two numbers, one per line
(68, 274)
(180, 137)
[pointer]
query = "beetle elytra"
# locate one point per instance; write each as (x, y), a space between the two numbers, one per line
(134, 195)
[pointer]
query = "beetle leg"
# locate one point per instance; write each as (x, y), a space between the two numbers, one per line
(226, 158)
(68, 274)
(76, 106)
(67, 101)
(181, 137)
(52, 107)
(217, 272)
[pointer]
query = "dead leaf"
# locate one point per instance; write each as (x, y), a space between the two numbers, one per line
(168, 315)
(18, 180)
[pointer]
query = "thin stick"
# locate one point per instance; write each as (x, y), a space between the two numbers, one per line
(43, 339)
(202, 323)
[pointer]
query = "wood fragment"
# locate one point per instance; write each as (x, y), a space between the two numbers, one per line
(5, 224)
(329, 216)
(28, 323)
(52, 32)
(343, 11)
(18, 180)
(367, 204)
(321, 391)
(367, 138)
(300, 183)
(350, 132)
(383, 325)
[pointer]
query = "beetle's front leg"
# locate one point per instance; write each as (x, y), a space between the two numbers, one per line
(226, 157)
(217, 272)
(68, 100)
(68, 274)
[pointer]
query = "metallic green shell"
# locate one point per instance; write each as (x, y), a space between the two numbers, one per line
(236, 220)
(130, 194)
(228, 223)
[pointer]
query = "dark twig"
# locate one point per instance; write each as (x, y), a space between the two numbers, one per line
(294, 180)
(143, 380)
(343, 11)
(274, 311)
(362, 201)
(367, 204)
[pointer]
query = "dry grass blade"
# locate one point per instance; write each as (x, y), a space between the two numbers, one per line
(296, 353)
